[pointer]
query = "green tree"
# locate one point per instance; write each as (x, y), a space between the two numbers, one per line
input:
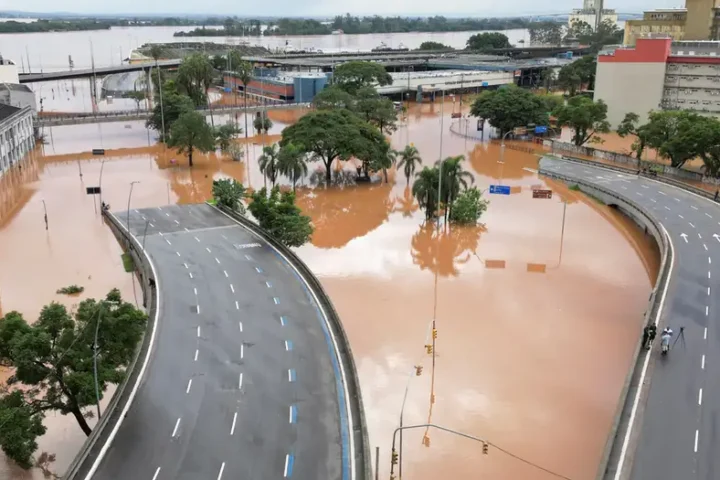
(409, 160)
(676, 135)
(351, 76)
(137, 95)
(20, 425)
(547, 78)
(224, 135)
(195, 76)
(244, 72)
(279, 216)
(376, 109)
(292, 162)
(510, 107)
(384, 160)
(229, 193)
(710, 150)
(268, 162)
(191, 132)
(53, 363)
(468, 207)
(433, 46)
(168, 112)
(331, 134)
(455, 180)
(425, 190)
(629, 126)
(585, 117)
(546, 33)
(333, 97)
(578, 73)
(552, 102)
(488, 41)
(262, 123)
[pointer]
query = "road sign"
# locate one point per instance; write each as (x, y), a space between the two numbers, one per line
(542, 193)
(540, 129)
(519, 131)
(98, 151)
(92, 190)
(500, 189)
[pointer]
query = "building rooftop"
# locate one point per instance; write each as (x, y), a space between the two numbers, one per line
(6, 111)
(16, 87)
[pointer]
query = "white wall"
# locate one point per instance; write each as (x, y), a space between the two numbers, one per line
(9, 74)
(629, 87)
(445, 80)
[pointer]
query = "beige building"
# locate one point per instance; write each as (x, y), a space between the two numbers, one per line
(659, 74)
(670, 22)
(588, 16)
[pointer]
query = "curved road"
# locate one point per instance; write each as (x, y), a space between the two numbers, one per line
(679, 425)
(242, 382)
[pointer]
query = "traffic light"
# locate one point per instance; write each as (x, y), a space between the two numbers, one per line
(485, 448)
(429, 349)
(434, 333)
(418, 370)
(394, 457)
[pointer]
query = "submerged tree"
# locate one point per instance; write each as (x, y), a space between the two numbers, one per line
(191, 132)
(53, 364)
(292, 162)
(409, 160)
(229, 193)
(278, 214)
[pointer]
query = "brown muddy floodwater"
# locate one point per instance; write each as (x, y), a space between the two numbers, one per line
(522, 351)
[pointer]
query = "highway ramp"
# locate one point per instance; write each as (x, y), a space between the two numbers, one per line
(242, 382)
(678, 425)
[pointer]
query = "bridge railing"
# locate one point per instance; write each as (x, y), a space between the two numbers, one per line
(631, 385)
(96, 444)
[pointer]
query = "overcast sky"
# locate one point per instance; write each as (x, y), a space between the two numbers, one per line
(327, 7)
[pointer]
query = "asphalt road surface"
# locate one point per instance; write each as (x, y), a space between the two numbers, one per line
(680, 425)
(241, 384)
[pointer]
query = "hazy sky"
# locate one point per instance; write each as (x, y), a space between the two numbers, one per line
(326, 7)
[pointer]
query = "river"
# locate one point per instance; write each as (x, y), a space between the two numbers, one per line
(50, 51)
(521, 325)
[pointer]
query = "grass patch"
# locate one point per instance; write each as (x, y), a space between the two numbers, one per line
(212, 202)
(128, 262)
(71, 290)
(575, 187)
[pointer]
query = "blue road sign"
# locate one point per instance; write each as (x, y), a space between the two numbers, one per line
(500, 189)
(540, 129)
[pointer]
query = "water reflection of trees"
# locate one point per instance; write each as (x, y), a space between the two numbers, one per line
(406, 204)
(342, 214)
(442, 253)
(484, 160)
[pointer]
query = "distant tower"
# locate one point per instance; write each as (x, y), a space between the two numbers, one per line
(598, 14)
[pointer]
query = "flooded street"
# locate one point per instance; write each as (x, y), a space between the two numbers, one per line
(535, 334)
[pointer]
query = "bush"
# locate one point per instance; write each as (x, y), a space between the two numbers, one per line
(279, 215)
(128, 263)
(71, 290)
(468, 207)
(229, 193)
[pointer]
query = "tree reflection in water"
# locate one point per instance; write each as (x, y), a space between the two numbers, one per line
(406, 204)
(443, 253)
(345, 211)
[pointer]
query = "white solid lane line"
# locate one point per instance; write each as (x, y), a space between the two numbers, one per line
(232, 288)
(157, 472)
(702, 362)
(697, 432)
(232, 429)
(700, 397)
(222, 469)
(177, 424)
(187, 390)
(196, 355)
(662, 193)
(240, 382)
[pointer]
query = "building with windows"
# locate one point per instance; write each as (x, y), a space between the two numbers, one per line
(699, 20)
(17, 95)
(659, 74)
(16, 135)
(8, 71)
(588, 14)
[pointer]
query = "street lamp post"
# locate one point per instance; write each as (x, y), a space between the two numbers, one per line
(95, 355)
(442, 118)
(102, 165)
(46, 218)
(132, 184)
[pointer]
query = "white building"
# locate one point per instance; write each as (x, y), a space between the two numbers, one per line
(17, 95)
(16, 135)
(588, 13)
(8, 71)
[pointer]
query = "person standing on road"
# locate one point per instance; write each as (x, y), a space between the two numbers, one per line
(646, 335)
(652, 331)
(717, 192)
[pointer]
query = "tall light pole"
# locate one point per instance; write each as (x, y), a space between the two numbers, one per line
(502, 151)
(440, 169)
(132, 184)
(95, 355)
(46, 218)
(102, 165)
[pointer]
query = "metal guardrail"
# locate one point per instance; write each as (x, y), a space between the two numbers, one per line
(48, 116)
(360, 428)
(82, 463)
(631, 381)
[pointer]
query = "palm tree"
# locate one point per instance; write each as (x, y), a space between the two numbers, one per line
(243, 72)
(156, 52)
(268, 162)
(455, 179)
(425, 190)
(409, 159)
(292, 162)
(389, 159)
